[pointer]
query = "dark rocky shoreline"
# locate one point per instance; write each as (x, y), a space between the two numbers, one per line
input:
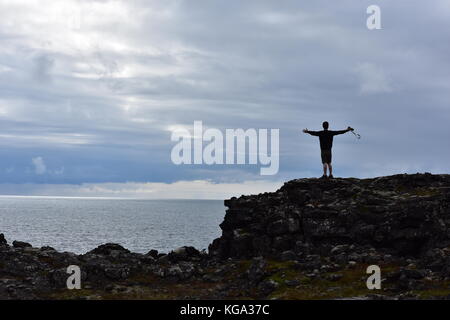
(311, 239)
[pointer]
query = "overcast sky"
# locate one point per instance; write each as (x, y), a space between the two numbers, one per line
(90, 90)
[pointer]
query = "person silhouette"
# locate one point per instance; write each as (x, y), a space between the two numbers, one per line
(326, 143)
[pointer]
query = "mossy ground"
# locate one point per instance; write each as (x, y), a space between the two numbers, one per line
(346, 283)
(341, 284)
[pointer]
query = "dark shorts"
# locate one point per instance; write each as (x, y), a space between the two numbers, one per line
(326, 156)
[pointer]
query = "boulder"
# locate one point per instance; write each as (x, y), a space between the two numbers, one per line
(3, 241)
(257, 270)
(153, 253)
(288, 255)
(21, 244)
(183, 253)
(109, 249)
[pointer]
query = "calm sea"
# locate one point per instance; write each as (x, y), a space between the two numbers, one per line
(81, 224)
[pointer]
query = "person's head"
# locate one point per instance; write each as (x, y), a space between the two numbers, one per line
(325, 125)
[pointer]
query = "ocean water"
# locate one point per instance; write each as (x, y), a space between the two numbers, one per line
(81, 224)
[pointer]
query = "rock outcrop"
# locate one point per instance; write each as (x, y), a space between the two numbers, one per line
(402, 215)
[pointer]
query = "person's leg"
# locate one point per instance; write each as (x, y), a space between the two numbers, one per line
(324, 162)
(330, 167)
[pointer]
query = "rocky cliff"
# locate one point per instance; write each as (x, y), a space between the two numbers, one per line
(311, 239)
(402, 215)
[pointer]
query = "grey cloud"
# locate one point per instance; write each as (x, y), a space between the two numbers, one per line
(373, 79)
(42, 69)
(121, 80)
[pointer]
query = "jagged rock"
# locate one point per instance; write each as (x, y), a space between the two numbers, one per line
(58, 277)
(21, 244)
(153, 253)
(256, 271)
(3, 241)
(147, 259)
(183, 254)
(163, 258)
(180, 271)
(117, 272)
(109, 249)
(288, 255)
(268, 286)
(47, 248)
(278, 227)
(339, 249)
(413, 274)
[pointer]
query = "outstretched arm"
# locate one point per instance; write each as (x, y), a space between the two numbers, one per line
(342, 131)
(313, 133)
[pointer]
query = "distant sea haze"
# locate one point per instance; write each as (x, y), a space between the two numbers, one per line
(80, 224)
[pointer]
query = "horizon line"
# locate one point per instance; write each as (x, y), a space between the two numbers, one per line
(97, 197)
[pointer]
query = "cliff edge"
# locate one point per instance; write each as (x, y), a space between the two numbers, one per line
(403, 215)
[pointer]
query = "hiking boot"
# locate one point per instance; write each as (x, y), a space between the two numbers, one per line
(330, 176)
(323, 177)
